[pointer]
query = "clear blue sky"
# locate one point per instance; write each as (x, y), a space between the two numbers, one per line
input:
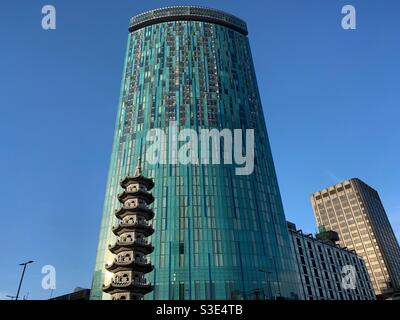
(331, 99)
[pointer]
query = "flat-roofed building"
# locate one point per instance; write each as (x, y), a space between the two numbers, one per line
(327, 271)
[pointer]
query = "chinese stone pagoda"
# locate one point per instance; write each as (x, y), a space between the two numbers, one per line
(130, 264)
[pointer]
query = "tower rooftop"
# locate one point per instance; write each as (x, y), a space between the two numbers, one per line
(187, 13)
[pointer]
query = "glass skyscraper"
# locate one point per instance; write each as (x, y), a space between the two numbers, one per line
(217, 235)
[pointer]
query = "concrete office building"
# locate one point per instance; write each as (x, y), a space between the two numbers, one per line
(324, 268)
(354, 210)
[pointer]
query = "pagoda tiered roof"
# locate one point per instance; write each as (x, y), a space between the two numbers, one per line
(117, 266)
(129, 286)
(148, 182)
(121, 228)
(119, 246)
(132, 244)
(126, 195)
(122, 212)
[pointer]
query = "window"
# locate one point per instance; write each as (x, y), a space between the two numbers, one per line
(181, 291)
(197, 290)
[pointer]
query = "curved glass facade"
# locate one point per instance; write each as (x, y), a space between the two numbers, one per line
(214, 230)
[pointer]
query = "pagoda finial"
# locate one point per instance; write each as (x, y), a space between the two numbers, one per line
(138, 171)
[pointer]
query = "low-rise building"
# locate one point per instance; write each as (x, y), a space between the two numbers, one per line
(328, 271)
(78, 294)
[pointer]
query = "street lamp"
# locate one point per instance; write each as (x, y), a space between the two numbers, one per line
(22, 276)
(266, 274)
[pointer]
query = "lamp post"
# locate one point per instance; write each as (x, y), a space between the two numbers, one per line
(22, 276)
(266, 273)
